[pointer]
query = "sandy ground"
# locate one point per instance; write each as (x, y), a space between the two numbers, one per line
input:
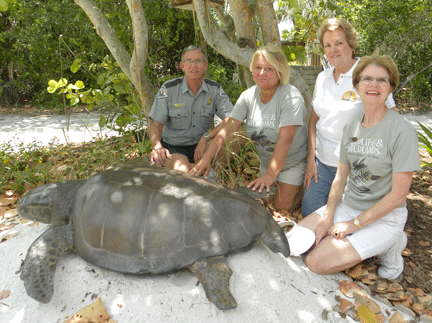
(267, 286)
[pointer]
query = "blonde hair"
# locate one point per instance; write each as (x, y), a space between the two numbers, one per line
(276, 58)
(384, 61)
(333, 24)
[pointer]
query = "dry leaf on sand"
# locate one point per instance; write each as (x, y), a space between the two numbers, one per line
(93, 313)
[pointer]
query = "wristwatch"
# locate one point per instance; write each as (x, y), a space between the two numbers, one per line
(206, 136)
(357, 223)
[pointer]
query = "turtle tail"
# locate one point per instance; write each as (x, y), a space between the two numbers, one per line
(275, 239)
(39, 266)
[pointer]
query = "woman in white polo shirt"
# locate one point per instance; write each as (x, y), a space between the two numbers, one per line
(335, 103)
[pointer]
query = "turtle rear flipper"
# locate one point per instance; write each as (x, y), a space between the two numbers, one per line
(275, 239)
(40, 263)
(214, 274)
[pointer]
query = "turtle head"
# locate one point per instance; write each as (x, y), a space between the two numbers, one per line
(49, 203)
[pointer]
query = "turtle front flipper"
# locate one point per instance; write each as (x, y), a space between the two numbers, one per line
(214, 274)
(40, 263)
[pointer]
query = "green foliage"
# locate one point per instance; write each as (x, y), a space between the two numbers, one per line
(115, 93)
(35, 42)
(401, 29)
(27, 166)
(219, 73)
(425, 141)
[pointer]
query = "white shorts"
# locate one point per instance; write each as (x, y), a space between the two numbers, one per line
(375, 238)
(292, 176)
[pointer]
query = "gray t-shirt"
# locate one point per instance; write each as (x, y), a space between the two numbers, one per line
(374, 154)
(262, 122)
(185, 116)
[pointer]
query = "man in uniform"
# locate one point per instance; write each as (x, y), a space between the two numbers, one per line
(183, 114)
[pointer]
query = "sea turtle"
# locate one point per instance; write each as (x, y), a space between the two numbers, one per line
(146, 219)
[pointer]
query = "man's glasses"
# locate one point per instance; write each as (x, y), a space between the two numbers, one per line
(196, 62)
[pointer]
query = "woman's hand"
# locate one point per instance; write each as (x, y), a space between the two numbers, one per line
(322, 229)
(311, 173)
(261, 183)
(342, 229)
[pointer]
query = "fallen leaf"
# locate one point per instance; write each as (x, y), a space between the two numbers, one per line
(381, 286)
(355, 272)
(366, 315)
(7, 237)
(4, 294)
(10, 213)
(93, 313)
(406, 252)
(380, 318)
(345, 305)
(394, 287)
(396, 318)
(398, 296)
(347, 287)
(424, 243)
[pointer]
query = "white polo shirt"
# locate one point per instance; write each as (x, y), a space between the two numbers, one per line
(336, 104)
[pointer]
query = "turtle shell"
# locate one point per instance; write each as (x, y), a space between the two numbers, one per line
(152, 220)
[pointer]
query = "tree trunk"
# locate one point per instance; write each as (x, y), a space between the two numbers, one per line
(132, 67)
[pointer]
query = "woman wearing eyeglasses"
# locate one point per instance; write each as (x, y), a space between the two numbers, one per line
(366, 211)
(335, 102)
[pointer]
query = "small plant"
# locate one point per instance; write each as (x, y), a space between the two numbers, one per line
(426, 141)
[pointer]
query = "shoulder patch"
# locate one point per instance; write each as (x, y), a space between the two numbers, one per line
(222, 93)
(162, 93)
(211, 82)
(173, 82)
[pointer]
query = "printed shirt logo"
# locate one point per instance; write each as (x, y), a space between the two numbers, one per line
(262, 140)
(349, 96)
(361, 175)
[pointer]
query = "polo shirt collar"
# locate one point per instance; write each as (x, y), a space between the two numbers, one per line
(328, 73)
(185, 88)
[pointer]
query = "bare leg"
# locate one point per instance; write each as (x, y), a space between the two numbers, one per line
(332, 255)
(179, 162)
(287, 196)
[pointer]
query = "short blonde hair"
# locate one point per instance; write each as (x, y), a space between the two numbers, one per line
(384, 61)
(333, 24)
(276, 58)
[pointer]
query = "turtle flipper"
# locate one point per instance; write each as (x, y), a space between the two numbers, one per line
(214, 274)
(40, 263)
(275, 239)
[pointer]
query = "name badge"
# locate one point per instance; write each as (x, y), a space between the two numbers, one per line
(349, 96)
(178, 105)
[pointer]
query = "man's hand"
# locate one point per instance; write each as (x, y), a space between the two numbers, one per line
(200, 149)
(159, 156)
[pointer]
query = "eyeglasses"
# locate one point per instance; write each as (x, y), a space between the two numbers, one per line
(369, 79)
(196, 62)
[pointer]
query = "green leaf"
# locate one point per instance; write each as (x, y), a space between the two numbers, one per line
(62, 82)
(102, 121)
(52, 83)
(4, 5)
(75, 66)
(51, 89)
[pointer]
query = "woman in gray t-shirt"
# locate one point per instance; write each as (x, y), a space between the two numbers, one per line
(274, 114)
(366, 211)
